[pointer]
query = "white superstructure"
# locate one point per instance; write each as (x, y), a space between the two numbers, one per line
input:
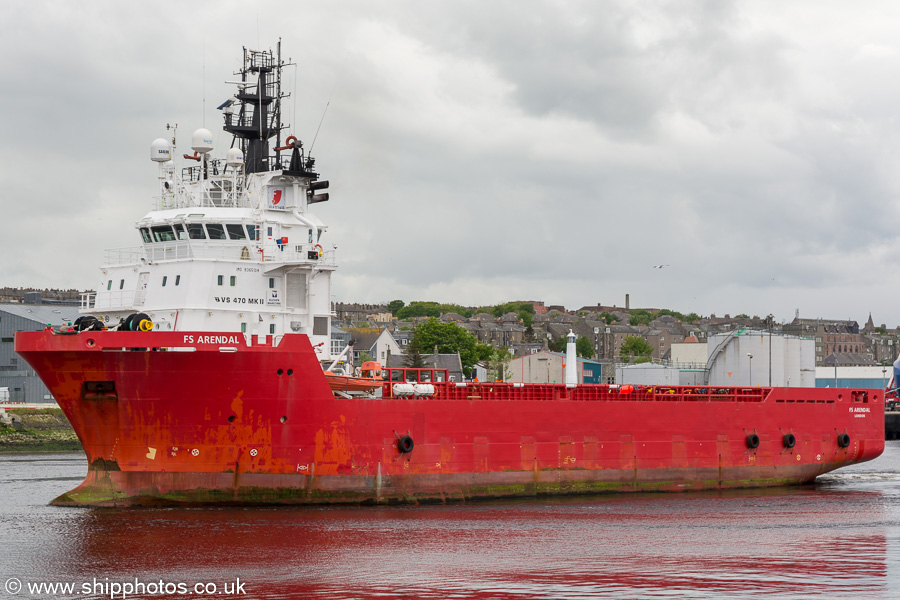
(231, 244)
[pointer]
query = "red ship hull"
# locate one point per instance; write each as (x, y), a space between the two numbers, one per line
(191, 417)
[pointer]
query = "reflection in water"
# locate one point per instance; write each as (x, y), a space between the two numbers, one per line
(826, 541)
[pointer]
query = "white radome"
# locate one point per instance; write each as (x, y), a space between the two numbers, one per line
(202, 141)
(160, 150)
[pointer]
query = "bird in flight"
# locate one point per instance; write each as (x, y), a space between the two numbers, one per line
(660, 266)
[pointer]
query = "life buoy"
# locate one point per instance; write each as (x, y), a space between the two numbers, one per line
(752, 441)
(318, 250)
(405, 444)
(843, 440)
(789, 440)
(290, 140)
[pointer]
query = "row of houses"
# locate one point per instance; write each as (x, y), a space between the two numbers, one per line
(841, 342)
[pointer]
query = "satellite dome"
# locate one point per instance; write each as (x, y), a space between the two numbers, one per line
(160, 151)
(202, 141)
(234, 157)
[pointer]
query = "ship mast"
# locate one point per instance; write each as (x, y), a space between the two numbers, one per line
(259, 115)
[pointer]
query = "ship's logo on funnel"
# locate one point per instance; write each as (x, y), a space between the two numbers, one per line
(277, 198)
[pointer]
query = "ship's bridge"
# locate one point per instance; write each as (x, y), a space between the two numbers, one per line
(213, 233)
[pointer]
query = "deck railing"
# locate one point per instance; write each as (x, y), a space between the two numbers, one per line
(249, 251)
(590, 392)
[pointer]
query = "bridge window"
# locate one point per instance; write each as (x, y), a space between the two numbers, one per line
(221, 279)
(252, 231)
(163, 233)
(272, 328)
(180, 233)
(121, 284)
(216, 231)
(235, 231)
(233, 280)
(195, 231)
(109, 285)
(165, 278)
(145, 233)
(177, 279)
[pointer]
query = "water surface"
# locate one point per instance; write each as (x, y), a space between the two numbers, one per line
(837, 539)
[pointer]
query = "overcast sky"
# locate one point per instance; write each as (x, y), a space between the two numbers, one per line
(485, 151)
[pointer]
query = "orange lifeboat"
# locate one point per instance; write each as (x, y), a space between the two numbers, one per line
(367, 378)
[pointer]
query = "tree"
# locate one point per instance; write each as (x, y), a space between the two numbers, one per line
(674, 313)
(609, 318)
(395, 305)
(526, 317)
(413, 356)
(418, 308)
(637, 348)
(449, 338)
(584, 348)
(558, 345)
(640, 316)
(498, 369)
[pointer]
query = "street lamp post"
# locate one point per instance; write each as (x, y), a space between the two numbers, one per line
(750, 370)
(884, 378)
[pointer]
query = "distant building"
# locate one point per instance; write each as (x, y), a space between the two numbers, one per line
(359, 313)
(830, 336)
(690, 352)
(450, 361)
(873, 377)
(378, 344)
(547, 367)
(15, 374)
